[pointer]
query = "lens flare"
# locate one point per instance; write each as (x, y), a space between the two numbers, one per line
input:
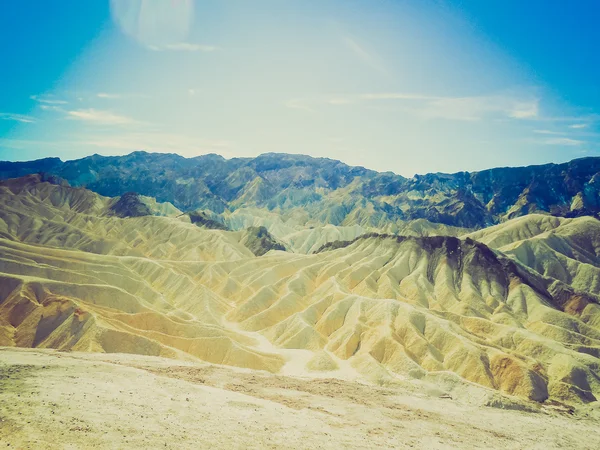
(154, 22)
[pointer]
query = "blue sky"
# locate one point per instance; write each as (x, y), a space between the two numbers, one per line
(408, 86)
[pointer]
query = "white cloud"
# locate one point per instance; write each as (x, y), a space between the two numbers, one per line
(528, 109)
(398, 96)
(340, 101)
(581, 121)
(120, 96)
(477, 107)
(470, 108)
(563, 141)
(17, 117)
(548, 132)
(47, 100)
(524, 106)
(183, 47)
(108, 96)
(100, 117)
(50, 108)
(299, 104)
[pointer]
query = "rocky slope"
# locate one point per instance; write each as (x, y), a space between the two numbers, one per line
(324, 191)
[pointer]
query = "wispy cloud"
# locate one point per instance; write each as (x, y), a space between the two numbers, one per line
(100, 117)
(475, 108)
(108, 96)
(471, 108)
(51, 108)
(183, 47)
(367, 57)
(581, 121)
(121, 96)
(17, 117)
(48, 100)
(299, 104)
(558, 133)
(398, 96)
(340, 101)
(563, 141)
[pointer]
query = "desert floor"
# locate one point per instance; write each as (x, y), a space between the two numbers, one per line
(51, 399)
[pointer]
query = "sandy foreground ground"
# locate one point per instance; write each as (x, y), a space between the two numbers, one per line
(51, 399)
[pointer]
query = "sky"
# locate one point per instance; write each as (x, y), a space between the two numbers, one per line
(409, 86)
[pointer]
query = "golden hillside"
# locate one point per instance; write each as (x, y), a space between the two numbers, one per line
(512, 308)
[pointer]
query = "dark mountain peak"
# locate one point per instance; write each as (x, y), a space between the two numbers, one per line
(259, 241)
(203, 219)
(53, 179)
(130, 205)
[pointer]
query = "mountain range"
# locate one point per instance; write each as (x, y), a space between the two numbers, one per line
(320, 191)
(256, 268)
(513, 308)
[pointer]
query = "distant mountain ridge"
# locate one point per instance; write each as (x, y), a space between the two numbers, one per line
(330, 192)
